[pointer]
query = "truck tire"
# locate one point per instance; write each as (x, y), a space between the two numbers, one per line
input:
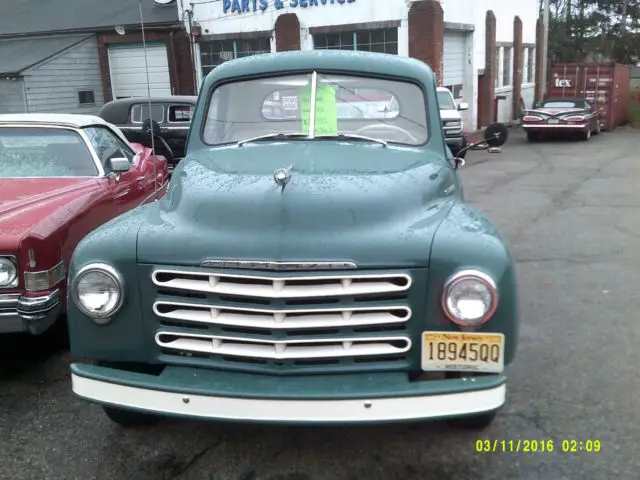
(474, 422)
(129, 418)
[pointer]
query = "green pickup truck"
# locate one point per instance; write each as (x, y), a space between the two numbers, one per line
(309, 267)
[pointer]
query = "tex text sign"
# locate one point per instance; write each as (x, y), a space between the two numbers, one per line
(246, 6)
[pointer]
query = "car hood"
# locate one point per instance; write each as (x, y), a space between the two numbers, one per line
(449, 115)
(225, 204)
(26, 203)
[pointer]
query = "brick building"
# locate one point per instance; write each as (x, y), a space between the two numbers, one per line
(73, 55)
(480, 49)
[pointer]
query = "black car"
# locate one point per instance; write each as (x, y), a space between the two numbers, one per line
(173, 117)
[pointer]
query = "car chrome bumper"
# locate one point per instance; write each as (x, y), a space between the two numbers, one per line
(34, 315)
(580, 126)
(301, 400)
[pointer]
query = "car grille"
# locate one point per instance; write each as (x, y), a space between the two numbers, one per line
(282, 321)
(450, 130)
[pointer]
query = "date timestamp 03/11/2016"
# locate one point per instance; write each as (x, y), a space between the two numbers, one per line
(538, 446)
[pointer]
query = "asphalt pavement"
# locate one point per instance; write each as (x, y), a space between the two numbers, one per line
(570, 213)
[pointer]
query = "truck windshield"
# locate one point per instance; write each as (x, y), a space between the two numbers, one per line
(445, 101)
(389, 110)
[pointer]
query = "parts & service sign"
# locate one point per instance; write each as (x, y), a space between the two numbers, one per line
(246, 6)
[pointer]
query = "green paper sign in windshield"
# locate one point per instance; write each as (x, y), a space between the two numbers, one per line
(326, 110)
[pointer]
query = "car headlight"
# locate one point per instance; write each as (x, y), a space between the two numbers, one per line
(470, 298)
(8, 273)
(98, 291)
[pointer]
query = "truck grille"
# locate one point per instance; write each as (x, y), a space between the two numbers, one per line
(283, 320)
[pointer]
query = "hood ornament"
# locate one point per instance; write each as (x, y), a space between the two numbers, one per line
(282, 176)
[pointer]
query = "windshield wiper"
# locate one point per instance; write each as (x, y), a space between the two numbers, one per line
(353, 136)
(273, 136)
(340, 136)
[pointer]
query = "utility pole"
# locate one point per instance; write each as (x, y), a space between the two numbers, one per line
(625, 5)
(545, 43)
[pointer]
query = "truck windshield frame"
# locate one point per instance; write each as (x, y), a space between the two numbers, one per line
(311, 111)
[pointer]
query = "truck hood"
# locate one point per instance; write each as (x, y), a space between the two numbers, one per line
(25, 203)
(450, 115)
(382, 209)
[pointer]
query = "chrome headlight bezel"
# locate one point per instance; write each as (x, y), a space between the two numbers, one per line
(15, 279)
(48, 278)
(477, 276)
(114, 275)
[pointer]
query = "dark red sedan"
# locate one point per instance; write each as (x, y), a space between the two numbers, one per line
(561, 116)
(61, 176)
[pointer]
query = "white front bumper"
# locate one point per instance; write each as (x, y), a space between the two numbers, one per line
(302, 411)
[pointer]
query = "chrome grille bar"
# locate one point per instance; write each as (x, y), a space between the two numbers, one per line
(285, 349)
(282, 287)
(281, 319)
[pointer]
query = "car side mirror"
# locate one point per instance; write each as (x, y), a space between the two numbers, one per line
(463, 106)
(150, 127)
(496, 134)
(119, 164)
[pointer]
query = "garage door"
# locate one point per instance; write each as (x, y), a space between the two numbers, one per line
(11, 96)
(454, 60)
(128, 72)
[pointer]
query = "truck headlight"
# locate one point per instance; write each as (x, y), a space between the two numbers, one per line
(470, 298)
(98, 291)
(8, 273)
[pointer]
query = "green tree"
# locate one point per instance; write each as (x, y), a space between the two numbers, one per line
(588, 29)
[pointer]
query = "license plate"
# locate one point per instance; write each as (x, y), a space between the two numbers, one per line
(553, 121)
(463, 352)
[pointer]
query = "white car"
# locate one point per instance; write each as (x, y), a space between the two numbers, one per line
(452, 120)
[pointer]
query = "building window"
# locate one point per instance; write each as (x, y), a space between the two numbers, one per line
(86, 97)
(531, 64)
(216, 52)
(506, 66)
(384, 40)
(456, 90)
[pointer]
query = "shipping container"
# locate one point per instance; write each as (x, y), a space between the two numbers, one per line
(605, 84)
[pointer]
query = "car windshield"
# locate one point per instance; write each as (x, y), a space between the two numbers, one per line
(445, 101)
(388, 110)
(563, 104)
(44, 152)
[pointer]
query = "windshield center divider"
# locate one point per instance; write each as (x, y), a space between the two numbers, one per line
(312, 109)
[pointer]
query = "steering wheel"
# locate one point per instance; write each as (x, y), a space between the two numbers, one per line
(384, 129)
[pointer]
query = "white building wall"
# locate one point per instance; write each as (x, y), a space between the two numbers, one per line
(53, 86)
(213, 20)
(474, 11)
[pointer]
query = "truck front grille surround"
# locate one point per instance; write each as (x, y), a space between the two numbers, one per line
(283, 320)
